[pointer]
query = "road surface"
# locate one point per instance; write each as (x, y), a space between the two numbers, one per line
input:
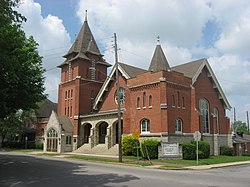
(24, 170)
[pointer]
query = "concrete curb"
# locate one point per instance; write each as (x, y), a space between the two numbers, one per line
(205, 167)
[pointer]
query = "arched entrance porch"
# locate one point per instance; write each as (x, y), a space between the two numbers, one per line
(115, 132)
(102, 132)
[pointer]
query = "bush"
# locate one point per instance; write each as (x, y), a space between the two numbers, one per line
(189, 150)
(149, 148)
(129, 146)
(204, 147)
(227, 151)
(39, 146)
(16, 145)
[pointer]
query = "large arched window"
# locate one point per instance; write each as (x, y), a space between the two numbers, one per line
(52, 133)
(204, 112)
(145, 126)
(178, 125)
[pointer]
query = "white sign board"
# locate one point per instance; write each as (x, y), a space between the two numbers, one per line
(197, 136)
(170, 149)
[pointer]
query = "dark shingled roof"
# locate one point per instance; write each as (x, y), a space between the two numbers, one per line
(83, 44)
(131, 70)
(189, 69)
(159, 61)
(66, 123)
(46, 108)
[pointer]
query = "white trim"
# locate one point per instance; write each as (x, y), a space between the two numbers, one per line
(194, 79)
(106, 82)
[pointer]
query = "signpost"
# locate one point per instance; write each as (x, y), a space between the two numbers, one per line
(197, 137)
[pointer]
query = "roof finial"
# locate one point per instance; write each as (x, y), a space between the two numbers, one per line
(158, 40)
(86, 15)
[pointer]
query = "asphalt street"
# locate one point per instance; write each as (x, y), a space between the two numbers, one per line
(25, 170)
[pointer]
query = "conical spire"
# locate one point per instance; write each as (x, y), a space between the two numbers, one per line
(84, 41)
(159, 61)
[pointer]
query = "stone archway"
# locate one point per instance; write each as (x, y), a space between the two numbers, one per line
(115, 132)
(86, 132)
(102, 131)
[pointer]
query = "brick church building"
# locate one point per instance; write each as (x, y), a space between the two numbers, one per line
(163, 102)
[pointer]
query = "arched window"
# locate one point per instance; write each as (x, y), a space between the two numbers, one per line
(178, 125)
(178, 100)
(138, 103)
(144, 100)
(204, 112)
(150, 101)
(145, 126)
(68, 139)
(173, 101)
(52, 133)
(216, 119)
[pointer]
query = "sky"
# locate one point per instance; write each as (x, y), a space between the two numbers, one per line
(188, 30)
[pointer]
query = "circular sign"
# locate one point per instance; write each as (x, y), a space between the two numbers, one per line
(197, 136)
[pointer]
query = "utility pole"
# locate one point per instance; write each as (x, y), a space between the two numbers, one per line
(234, 121)
(118, 102)
(247, 122)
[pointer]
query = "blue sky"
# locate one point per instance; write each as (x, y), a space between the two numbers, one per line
(188, 30)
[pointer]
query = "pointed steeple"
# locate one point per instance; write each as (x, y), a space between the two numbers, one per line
(84, 42)
(159, 61)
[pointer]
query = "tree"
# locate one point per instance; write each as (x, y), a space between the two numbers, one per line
(239, 127)
(16, 124)
(22, 81)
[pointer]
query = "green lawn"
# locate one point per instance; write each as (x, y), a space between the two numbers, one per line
(131, 160)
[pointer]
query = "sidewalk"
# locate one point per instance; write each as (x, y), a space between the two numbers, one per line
(157, 165)
(204, 167)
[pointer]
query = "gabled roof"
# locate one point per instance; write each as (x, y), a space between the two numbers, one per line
(131, 70)
(193, 70)
(159, 61)
(126, 70)
(63, 122)
(46, 108)
(66, 123)
(84, 42)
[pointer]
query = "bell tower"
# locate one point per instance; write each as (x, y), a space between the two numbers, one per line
(82, 75)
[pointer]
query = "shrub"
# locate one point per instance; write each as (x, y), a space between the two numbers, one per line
(189, 150)
(204, 147)
(227, 151)
(149, 148)
(39, 146)
(129, 145)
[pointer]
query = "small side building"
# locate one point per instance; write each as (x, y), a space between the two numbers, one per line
(58, 134)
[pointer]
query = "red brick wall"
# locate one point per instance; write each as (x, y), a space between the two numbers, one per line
(204, 89)
(108, 99)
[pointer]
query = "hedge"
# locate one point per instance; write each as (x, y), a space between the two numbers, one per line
(129, 146)
(227, 151)
(149, 148)
(189, 150)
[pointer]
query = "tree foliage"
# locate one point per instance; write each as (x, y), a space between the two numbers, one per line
(239, 127)
(22, 81)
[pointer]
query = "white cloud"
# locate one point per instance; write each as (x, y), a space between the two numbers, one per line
(180, 25)
(53, 40)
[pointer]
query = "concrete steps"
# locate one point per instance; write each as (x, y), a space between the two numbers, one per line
(99, 149)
